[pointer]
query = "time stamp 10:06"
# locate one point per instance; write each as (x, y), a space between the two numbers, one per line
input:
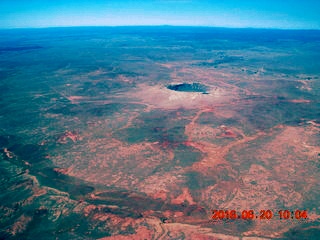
(262, 214)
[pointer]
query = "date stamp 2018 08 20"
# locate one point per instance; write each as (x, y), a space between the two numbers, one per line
(267, 214)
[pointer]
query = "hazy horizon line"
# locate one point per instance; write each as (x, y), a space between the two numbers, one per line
(161, 25)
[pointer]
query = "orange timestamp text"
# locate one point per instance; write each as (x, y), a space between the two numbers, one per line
(266, 214)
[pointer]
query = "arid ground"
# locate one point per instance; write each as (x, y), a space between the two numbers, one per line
(141, 132)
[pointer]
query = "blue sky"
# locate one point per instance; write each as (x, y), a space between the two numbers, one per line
(225, 13)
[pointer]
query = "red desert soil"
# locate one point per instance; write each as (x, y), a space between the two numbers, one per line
(20, 225)
(236, 193)
(72, 135)
(300, 101)
(281, 153)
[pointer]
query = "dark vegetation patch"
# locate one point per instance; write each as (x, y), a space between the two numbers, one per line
(155, 126)
(34, 154)
(74, 226)
(107, 109)
(65, 109)
(236, 121)
(18, 189)
(150, 133)
(228, 226)
(224, 175)
(76, 187)
(4, 141)
(91, 109)
(221, 60)
(189, 87)
(30, 152)
(243, 225)
(311, 198)
(122, 198)
(236, 155)
(211, 119)
(81, 226)
(286, 88)
(301, 233)
(265, 115)
(186, 155)
(197, 181)
(106, 86)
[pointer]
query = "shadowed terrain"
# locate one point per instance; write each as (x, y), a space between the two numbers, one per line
(187, 87)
